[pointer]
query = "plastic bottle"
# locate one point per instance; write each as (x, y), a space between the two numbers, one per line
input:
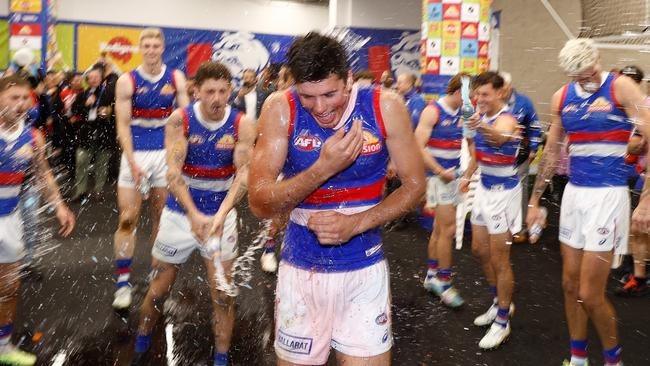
(538, 227)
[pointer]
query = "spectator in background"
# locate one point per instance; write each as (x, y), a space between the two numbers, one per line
(93, 153)
(523, 110)
(67, 121)
(285, 79)
(249, 98)
(268, 82)
(364, 78)
(386, 80)
(415, 102)
(106, 114)
(190, 86)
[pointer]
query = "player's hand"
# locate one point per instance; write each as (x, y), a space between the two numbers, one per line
(91, 100)
(333, 228)
(201, 226)
(531, 157)
(463, 185)
(391, 170)
(448, 175)
(535, 216)
(66, 219)
(340, 150)
(136, 173)
(217, 225)
(641, 217)
(474, 121)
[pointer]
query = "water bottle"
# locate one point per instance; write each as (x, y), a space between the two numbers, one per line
(536, 230)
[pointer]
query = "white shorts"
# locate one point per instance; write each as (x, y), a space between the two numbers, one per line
(12, 245)
(175, 241)
(153, 165)
(347, 311)
(441, 193)
(498, 209)
(595, 219)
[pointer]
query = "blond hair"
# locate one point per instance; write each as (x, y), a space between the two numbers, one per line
(577, 55)
(152, 33)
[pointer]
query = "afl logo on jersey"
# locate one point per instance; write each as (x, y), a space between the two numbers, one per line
(600, 105)
(570, 108)
(167, 89)
(195, 140)
(446, 122)
(226, 142)
(142, 90)
(371, 144)
(307, 142)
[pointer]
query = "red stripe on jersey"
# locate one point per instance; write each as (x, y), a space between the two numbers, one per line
(612, 136)
(151, 113)
(445, 144)
(202, 172)
(336, 195)
(495, 159)
(11, 178)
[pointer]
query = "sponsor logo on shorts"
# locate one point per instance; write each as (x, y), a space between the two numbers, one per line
(603, 231)
(373, 250)
(565, 233)
(231, 239)
(384, 339)
(602, 241)
(166, 249)
(496, 217)
(382, 319)
(293, 344)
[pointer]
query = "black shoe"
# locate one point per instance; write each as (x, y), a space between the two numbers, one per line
(634, 287)
(138, 359)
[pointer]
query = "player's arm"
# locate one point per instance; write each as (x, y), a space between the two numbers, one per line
(266, 195)
(176, 152)
(548, 162)
(123, 104)
(428, 120)
(241, 157)
(635, 145)
(407, 156)
(504, 129)
(182, 99)
(630, 97)
(44, 173)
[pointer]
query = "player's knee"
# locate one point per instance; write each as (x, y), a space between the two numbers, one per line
(126, 224)
(590, 299)
(9, 287)
(570, 285)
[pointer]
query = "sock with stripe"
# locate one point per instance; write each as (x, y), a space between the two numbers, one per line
(444, 276)
(503, 315)
(578, 352)
(123, 272)
(5, 335)
(269, 246)
(613, 356)
(432, 267)
(221, 359)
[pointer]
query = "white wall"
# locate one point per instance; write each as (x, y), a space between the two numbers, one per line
(260, 16)
(387, 14)
(4, 7)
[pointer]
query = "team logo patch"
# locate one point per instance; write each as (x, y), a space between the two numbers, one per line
(166, 249)
(195, 140)
(602, 231)
(142, 90)
(446, 122)
(371, 144)
(496, 217)
(382, 319)
(307, 142)
(300, 345)
(226, 142)
(570, 108)
(600, 105)
(565, 233)
(167, 89)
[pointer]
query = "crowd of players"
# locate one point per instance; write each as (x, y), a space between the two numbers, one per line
(316, 148)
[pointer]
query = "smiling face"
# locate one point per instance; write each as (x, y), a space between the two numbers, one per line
(15, 101)
(489, 99)
(325, 100)
(152, 49)
(214, 95)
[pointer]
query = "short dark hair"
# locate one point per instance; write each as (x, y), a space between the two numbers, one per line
(488, 77)
(212, 70)
(7, 82)
(315, 57)
(364, 74)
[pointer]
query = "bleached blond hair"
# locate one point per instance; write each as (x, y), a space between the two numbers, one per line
(152, 33)
(577, 55)
(507, 77)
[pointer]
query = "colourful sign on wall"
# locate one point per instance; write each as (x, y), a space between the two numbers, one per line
(119, 43)
(26, 6)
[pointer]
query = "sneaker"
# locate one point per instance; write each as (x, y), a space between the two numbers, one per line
(568, 363)
(488, 317)
(632, 288)
(269, 263)
(433, 284)
(122, 298)
(451, 298)
(11, 355)
(495, 336)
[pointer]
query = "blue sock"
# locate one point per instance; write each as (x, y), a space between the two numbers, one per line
(493, 290)
(444, 275)
(432, 267)
(578, 352)
(613, 355)
(5, 333)
(142, 343)
(220, 359)
(503, 316)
